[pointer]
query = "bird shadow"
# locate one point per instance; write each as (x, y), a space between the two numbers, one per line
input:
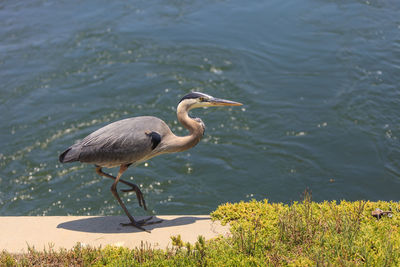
(112, 224)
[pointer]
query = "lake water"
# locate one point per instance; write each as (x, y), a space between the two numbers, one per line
(320, 83)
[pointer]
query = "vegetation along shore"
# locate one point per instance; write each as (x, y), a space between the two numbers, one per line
(304, 233)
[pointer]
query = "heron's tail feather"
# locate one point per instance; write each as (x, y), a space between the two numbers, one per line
(69, 155)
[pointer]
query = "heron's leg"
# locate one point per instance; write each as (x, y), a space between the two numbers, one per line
(139, 195)
(115, 193)
(135, 188)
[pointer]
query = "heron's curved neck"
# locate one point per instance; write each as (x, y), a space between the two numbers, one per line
(196, 130)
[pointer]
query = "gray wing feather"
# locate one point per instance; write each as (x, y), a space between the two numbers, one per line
(122, 142)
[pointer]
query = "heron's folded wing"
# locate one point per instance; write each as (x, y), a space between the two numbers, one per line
(119, 142)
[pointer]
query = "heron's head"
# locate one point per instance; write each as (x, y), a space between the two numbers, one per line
(198, 100)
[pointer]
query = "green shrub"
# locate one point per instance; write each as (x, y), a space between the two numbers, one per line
(309, 233)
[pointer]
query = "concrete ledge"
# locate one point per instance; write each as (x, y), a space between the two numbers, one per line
(17, 232)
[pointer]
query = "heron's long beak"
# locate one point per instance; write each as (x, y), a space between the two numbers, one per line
(223, 102)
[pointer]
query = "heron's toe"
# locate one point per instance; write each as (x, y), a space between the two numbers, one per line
(136, 225)
(148, 221)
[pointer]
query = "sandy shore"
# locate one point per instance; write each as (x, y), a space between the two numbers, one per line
(17, 232)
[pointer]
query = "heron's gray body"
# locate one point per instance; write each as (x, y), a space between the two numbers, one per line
(125, 141)
(133, 140)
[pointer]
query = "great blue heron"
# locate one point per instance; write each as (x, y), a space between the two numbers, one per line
(137, 139)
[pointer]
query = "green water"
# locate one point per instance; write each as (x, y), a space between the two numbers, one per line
(320, 83)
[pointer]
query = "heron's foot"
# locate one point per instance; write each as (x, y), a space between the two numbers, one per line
(147, 221)
(144, 222)
(139, 194)
(135, 224)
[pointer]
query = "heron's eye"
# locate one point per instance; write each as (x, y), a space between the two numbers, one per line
(202, 99)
